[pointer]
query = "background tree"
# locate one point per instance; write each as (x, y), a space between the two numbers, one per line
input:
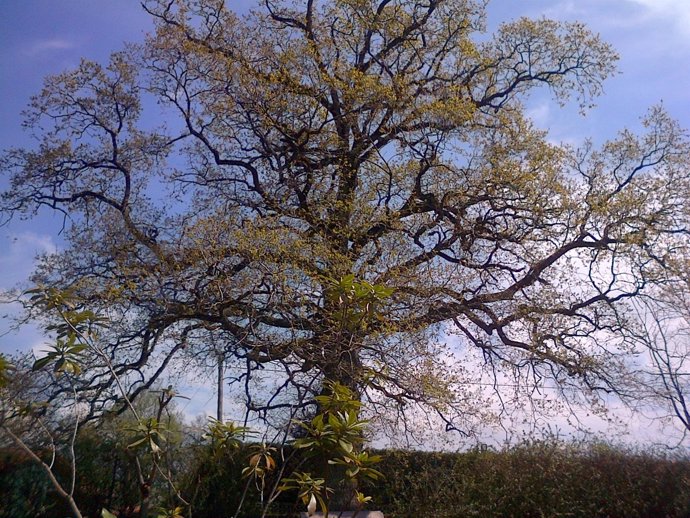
(341, 187)
(662, 331)
(42, 410)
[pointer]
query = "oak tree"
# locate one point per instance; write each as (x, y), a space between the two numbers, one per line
(350, 190)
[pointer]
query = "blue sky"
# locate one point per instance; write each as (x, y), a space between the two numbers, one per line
(40, 37)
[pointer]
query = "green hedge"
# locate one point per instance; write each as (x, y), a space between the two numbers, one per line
(538, 479)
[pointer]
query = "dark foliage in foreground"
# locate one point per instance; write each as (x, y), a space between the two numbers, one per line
(539, 479)
(536, 479)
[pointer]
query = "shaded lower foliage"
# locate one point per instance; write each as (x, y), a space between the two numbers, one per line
(105, 479)
(540, 480)
(24, 489)
(215, 488)
(531, 480)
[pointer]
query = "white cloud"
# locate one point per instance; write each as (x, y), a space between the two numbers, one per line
(562, 10)
(676, 12)
(42, 46)
(19, 257)
(540, 113)
(18, 253)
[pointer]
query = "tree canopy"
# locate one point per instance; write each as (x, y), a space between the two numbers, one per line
(350, 190)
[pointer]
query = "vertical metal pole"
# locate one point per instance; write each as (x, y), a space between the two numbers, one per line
(221, 371)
